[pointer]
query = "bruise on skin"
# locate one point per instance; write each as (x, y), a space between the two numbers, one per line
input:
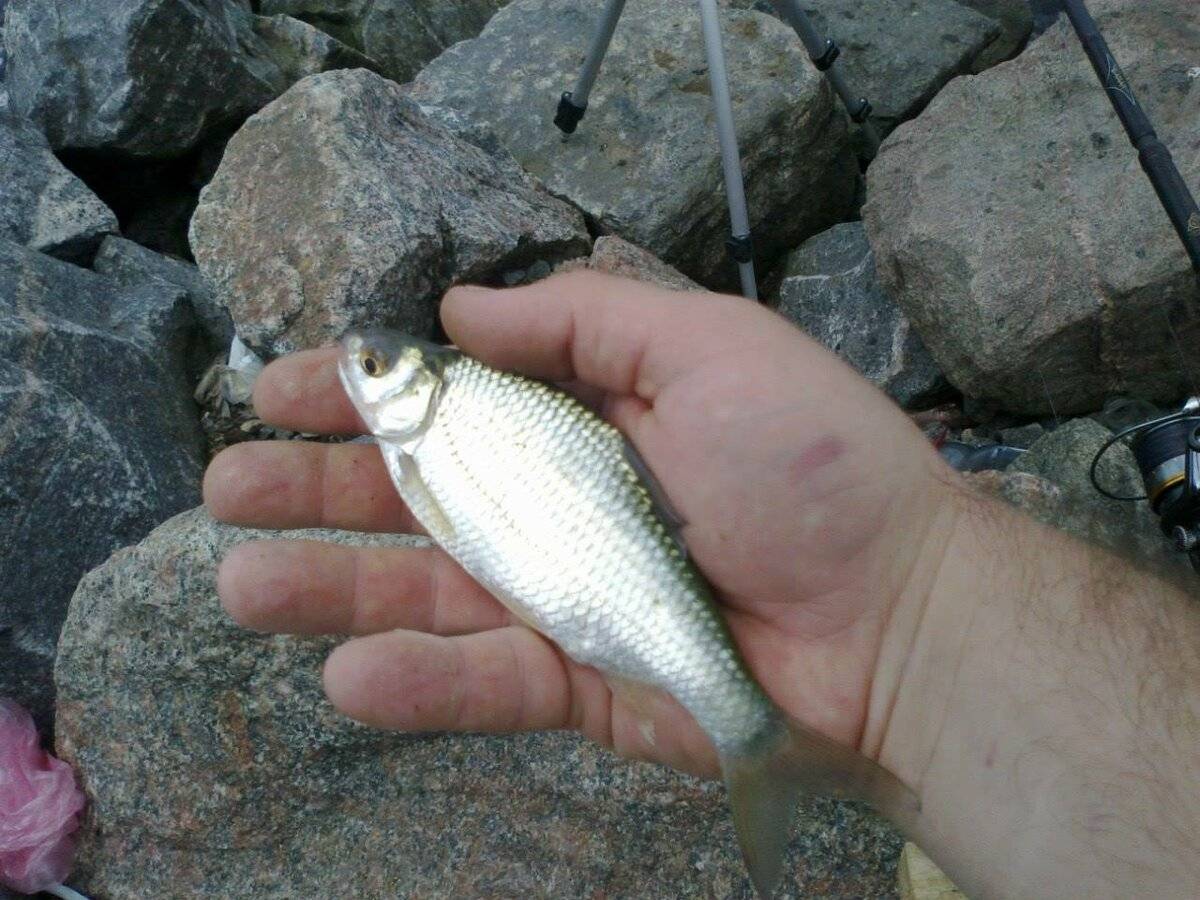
(817, 455)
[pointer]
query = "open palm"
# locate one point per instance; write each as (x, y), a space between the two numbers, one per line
(809, 501)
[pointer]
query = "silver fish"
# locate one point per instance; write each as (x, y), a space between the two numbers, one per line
(551, 509)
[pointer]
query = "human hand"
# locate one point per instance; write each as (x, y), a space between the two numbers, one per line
(812, 504)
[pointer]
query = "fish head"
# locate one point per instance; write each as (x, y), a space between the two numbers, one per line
(393, 380)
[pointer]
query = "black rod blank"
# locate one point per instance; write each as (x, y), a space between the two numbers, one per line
(1156, 159)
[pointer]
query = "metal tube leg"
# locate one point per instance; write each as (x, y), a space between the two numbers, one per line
(573, 104)
(739, 219)
(824, 53)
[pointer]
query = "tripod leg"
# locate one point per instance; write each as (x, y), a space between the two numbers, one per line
(823, 53)
(739, 219)
(573, 104)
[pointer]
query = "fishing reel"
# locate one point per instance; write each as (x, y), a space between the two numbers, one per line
(1167, 452)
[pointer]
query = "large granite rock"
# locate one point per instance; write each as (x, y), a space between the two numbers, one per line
(214, 766)
(1050, 481)
(132, 265)
(1015, 18)
(830, 290)
(3, 53)
(1045, 14)
(616, 256)
(644, 163)
(1015, 227)
(42, 205)
(99, 442)
(153, 78)
(899, 54)
(399, 35)
(342, 205)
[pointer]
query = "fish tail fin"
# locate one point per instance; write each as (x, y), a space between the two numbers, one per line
(767, 779)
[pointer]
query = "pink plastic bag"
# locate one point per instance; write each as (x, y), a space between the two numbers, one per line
(39, 806)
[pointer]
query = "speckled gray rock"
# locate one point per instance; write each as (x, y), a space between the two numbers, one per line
(300, 50)
(830, 289)
(42, 205)
(400, 35)
(341, 205)
(152, 78)
(644, 163)
(1015, 227)
(1045, 14)
(215, 767)
(617, 256)
(899, 54)
(1063, 457)
(99, 442)
(1015, 18)
(132, 265)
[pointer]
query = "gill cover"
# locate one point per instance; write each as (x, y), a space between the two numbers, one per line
(393, 380)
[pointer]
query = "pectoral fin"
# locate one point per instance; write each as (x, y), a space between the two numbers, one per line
(415, 492)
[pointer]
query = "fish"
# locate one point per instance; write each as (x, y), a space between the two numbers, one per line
(552, 509)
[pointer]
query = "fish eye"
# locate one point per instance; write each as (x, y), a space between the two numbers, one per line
(372, 363)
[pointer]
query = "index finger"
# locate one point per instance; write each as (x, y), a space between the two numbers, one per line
(302, 392)
(625, 337)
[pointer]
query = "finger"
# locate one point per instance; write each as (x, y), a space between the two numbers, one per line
(302, 392)
(296, 484)
(623, 336)
(309, 587)
(509, 679)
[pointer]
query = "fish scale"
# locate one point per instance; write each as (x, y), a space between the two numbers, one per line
(546, 505)
(623, 598)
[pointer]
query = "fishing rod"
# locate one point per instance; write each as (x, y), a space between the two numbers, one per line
(1156, 159)
(1166, 449)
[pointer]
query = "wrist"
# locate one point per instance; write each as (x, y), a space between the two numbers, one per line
(1040, 697)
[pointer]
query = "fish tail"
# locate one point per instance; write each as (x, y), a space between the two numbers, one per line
(767, 779)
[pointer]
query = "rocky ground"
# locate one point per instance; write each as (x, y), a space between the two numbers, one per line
(173, 173)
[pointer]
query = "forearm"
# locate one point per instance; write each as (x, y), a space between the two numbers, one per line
(1048, 713)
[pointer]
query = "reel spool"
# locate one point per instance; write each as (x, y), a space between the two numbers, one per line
(1167, 451)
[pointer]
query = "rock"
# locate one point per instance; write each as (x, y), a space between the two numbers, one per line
(401, 36)
(1015, 18)
(42, 205)
(1015, 227)
(98, 443)
(132, 265)
(830, 290)
(1064, 457)
(213, 762)
(617, 256)
(152, 78)
(1022, 436)
(1120, 413)
(1040, 498)
(644, 163)
(899, 55)
(301, 50)
(1045, 14)
(3, 55)
(341, 205)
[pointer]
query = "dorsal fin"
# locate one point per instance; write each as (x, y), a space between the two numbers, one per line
(658, 496)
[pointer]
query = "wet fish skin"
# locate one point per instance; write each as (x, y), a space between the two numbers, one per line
(549, 508)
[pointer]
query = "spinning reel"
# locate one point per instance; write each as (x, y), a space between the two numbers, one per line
(1167, 451)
